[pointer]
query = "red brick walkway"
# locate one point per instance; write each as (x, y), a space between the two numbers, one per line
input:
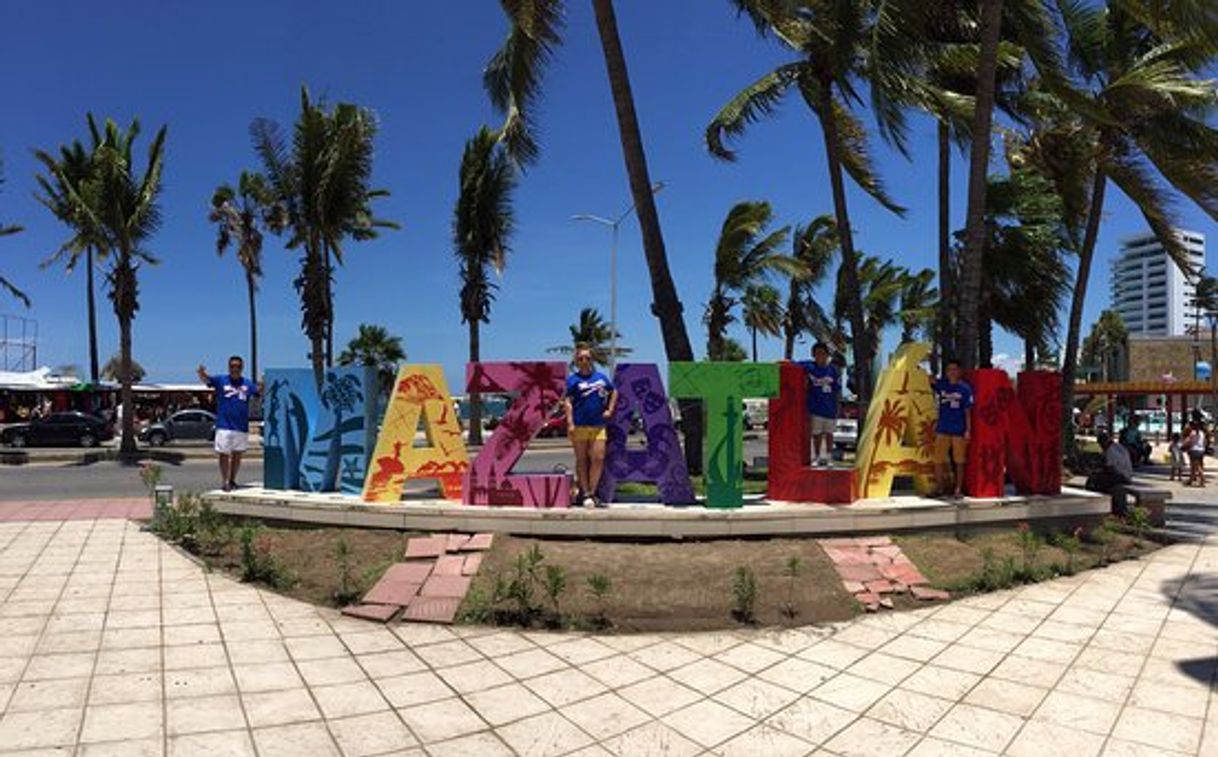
(76, 509)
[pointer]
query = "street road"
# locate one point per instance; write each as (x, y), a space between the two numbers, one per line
(114, 479)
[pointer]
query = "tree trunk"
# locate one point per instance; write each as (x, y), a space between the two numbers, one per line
(1070, 359)
(251, 286)
(1029, 355)
(969, 293)
(92, 305)
(850, 265)
(947, 336)
(666, 305)
(475, 399)
(315, 324)
(985, 343)
(329, 309)
(125, 395)
(754, 330)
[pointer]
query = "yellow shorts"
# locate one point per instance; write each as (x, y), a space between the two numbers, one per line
(956, 446)
(588, 434)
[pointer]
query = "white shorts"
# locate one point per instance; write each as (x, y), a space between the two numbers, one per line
(231, 441)
(821, 426)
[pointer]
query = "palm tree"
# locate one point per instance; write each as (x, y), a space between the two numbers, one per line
(374, 346)
(322, 182)
(113, 370)
(918, 305)
(745, 253)
(814, 247)
(881, 283)
(593, 332)
(1109, 337)
(513, 80)
(1133, 110)
(763, 312)
(483, 222)
(5, 231)
(829, 37)
(64, 177)
(240, 215)
(118, 209)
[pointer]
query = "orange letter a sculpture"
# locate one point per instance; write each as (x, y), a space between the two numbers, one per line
(420, 390)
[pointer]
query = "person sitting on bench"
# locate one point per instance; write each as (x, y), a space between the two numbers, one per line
(1117, 471)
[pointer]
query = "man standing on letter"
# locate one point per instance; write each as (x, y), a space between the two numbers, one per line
(591, 399)
(233, 393)
(955, 399)
(824, 387)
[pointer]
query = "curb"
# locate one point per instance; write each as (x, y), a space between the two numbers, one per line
(23, 457)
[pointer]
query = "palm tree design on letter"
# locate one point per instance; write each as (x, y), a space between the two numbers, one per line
(339, 395)
(890, 429)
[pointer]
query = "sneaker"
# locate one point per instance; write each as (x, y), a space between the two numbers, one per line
(601, 504)
(233, 486)
(588, 501)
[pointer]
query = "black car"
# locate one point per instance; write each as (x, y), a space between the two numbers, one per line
(198, 425)
(58, 430)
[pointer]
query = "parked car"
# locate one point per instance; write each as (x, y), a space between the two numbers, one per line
(58, 429)
(556, 425)
(198, 425)
(756, 413)
(846, 434)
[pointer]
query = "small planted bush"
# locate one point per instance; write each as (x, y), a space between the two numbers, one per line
(744, 595)
(792, 569)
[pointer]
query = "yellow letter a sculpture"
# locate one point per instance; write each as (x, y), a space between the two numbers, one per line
(899, 438)
(420, 390)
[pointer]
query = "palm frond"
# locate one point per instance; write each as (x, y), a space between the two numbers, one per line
(758, 100)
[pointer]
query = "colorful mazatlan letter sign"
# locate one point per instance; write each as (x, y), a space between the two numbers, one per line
(899, 436)
(321, 441)
(318, 441)
(640, 392)
(723, 387)
(419, 392)
(489, 480)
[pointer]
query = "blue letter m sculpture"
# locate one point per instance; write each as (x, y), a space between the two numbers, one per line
(318, 441)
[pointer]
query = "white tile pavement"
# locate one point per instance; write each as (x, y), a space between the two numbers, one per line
(113, 643)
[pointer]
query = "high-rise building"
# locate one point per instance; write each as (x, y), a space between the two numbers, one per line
(1149, 291)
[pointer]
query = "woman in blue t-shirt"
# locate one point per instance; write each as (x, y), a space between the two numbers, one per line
(590, 401)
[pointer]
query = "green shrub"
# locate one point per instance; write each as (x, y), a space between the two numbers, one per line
(555, 585)
(1069, 542)
(1029, 545)
(1139, 521)
(600, 586)
(744, 595)
(346, 591)
(792, 569)
(258, 563)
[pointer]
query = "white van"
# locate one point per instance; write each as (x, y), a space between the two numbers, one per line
(756, 413)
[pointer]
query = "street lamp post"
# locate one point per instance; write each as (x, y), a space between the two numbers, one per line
(613, 224)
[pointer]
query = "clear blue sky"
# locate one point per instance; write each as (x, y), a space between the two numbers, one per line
(207, 69)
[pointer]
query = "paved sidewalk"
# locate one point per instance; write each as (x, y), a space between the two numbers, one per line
(113, 643)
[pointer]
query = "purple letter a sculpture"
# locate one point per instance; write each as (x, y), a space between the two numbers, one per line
(489, 479)
(640, 391)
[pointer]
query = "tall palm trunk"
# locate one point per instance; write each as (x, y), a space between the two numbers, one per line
(1070, 359)
(124, 299)
(475, 399)
(666, 305)
(251, 286)
(1029, 355)
(92, 305)
(329, 284)
(850, 265)
(947, 342)
(788, 328)
(754, 330)
(315, 323)
(974, 231)
(985, 343)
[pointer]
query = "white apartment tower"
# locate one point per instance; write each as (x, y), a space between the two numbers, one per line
(1149, 291)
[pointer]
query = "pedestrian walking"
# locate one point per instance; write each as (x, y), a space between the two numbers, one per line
(233, 393)
(824, 388)
(955, 399)
(1196, 444)
(590, 401)
(1175, 454)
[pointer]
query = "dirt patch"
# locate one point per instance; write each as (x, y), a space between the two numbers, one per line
(309, 559)
(685, 585)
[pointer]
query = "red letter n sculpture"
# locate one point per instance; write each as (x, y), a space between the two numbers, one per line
(1015, 432)
(489, 480)
(791, 479)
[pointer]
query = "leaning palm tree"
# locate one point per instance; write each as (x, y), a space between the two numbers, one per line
(65, 174)
(828, 38)
(745, 253)
(374, 346)
(814, 248)
(513, 79)
(918, 305)
(762, 312)
(5, 231)
(240, 215)
(120, 210)
(483, 222)
(1134, 110)
(881, 283)
(593, 331)
(322, 181)
(113, 370)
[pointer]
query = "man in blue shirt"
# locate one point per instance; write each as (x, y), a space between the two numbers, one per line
(955, 398)
(590, 401)
(233, 393)
(824, 386)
